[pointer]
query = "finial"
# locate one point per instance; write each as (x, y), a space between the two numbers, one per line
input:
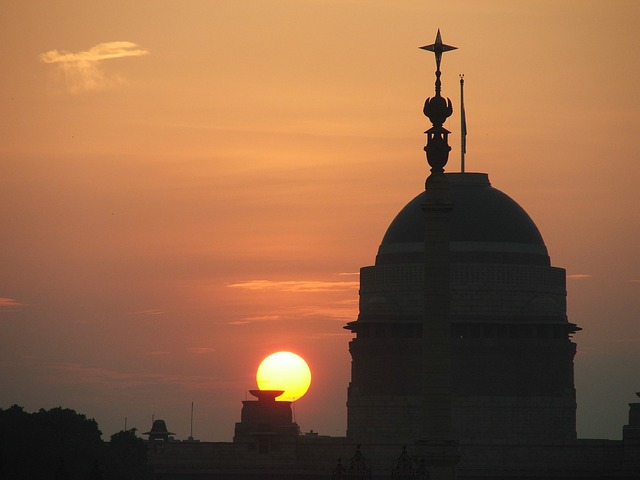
(438, 110)
(438, 48)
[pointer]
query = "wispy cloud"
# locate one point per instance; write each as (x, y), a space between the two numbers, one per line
(295, 285)
(579, 276)
(337, 300)
(342, 311)
(10, 303)
(151, 311)
(200, 350)
(256, 318)
(82, 71)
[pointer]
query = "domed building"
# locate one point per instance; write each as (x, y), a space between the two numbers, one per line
(512, 354)
(462, 332)
(462, 357)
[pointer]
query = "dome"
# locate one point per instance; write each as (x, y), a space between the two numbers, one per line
(483, 220)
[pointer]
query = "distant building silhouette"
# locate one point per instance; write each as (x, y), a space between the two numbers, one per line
(158, 435)
(265, 421)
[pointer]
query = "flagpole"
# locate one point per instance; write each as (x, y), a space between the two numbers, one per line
(463, 125)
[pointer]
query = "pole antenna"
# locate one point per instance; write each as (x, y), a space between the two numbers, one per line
(463, 126)
(191, 431)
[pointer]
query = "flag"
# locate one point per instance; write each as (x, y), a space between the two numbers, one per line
(463, 118)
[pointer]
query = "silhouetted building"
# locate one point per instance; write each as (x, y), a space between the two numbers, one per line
(462, 359)
(264, 422)
(631, 435)
(159, 432)
(512, 354)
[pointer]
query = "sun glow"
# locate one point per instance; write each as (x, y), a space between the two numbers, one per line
(284, 371)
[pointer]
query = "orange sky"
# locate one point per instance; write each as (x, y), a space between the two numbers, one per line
(190, 186)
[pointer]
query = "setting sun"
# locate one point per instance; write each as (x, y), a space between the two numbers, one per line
(284, 371)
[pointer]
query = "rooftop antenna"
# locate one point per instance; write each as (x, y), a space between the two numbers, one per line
(463, 126)
(191, 430)
(125, 424)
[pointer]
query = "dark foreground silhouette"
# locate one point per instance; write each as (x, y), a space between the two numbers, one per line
(61, 444)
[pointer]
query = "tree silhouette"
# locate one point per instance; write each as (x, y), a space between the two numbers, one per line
(56, 443)
(129, 455)
(62, 444)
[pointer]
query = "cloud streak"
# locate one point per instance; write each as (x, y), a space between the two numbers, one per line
(6, 302)
(200, 350)
(342, 311)
(151, 311)
(82, 71)
(295, 285)
(579, 276)
(256, 318)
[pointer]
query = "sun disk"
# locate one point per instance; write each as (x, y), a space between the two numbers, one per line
(284, 371)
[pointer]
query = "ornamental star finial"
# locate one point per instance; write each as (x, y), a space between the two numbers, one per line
(438, 109)
(438, 48)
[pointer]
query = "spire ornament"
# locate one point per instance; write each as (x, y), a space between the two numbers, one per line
(438, 48)
(437, 109)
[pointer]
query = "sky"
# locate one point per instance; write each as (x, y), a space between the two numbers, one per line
(187, 187)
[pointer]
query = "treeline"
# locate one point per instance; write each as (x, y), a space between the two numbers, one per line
(60, 444)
